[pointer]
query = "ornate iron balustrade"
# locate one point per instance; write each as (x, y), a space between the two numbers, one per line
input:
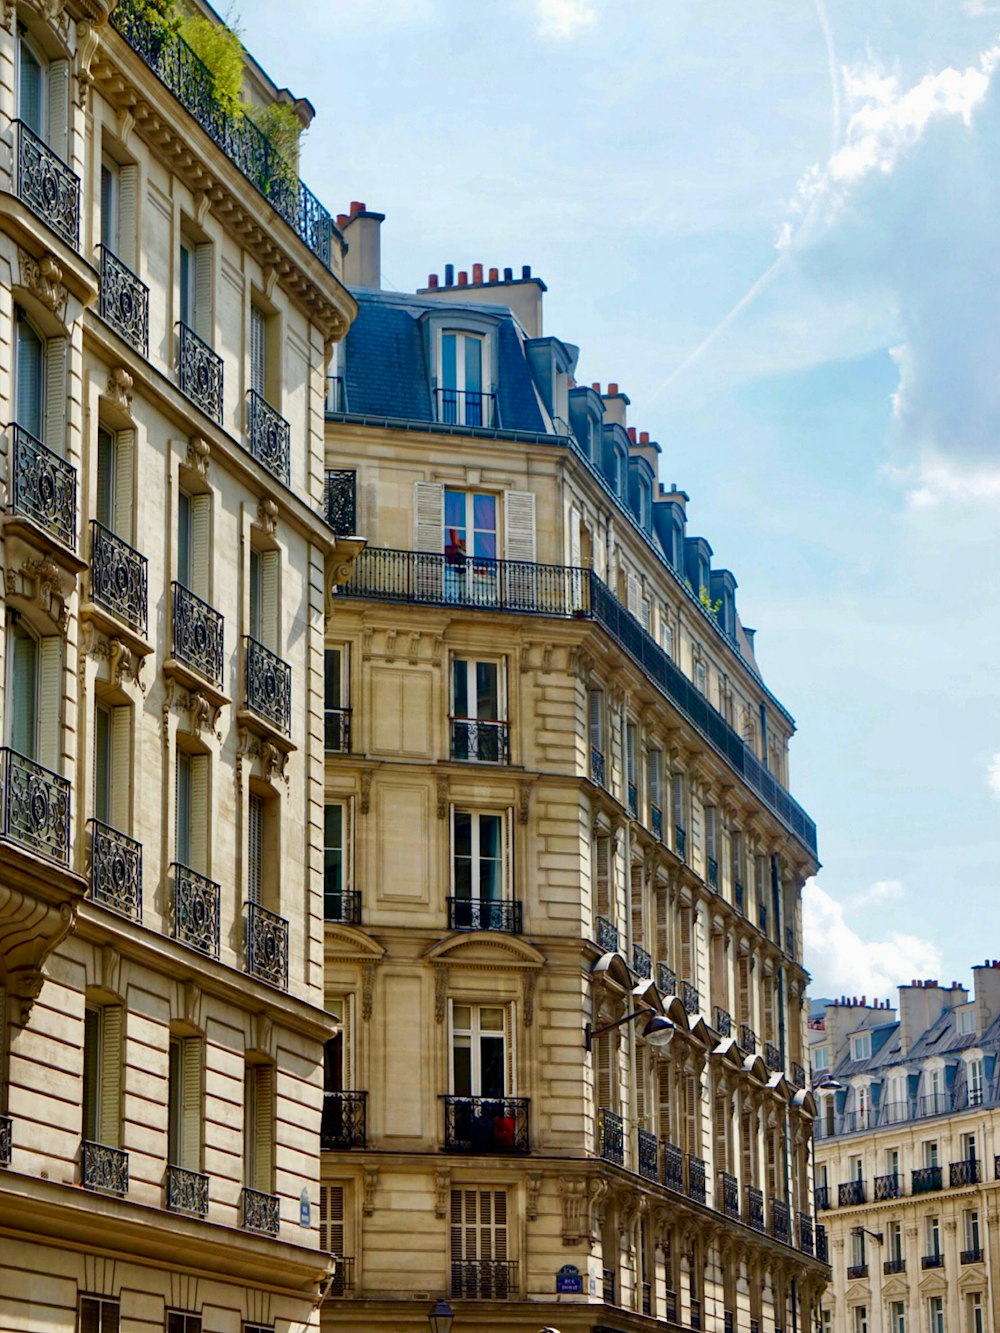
(822, 1244)
(739, 896)
(343, 906)
(504, 915)
(887, 1187)
(36, 807)
(268, 684)
(483, 1279)
(680, 842)
(934, 1103)
(893, 1266)
(851, 1192)
(728, 1321)
(748, 1039)
(342, 501)
(996, 1167)
(762, 919)
(199, 372)
(345, 1121)
(480, 741)
(642, 962)
(754, 1207)
(42, 487)
(342, 1282)
(670, 1301)
(790, 941)
(723, 1022)
(926, 1179)
(124, 301)
(966, 1172)
(464, 407)
(666, 979)
(103, 1168)
(5, 1140)
(772, 1057)
(853, 1121)
(197, 634)
(973, 1256)
(247, 147)
(729, 1194)
(932, 1261)
(673, 1166)
(656, 822)
(807, 1239)
(611, 1136)
(187, 1191)
(690, 998)
(44, 182)
(855, 1271)
(118, 577)
(649, 1154)
(713, 872)
(195, 910)
(633, 800)
(607, 935)
(259, 1212)
(697, 1188)
(893, 1113)
(597, 766)
(115, 870)
(269, 436)
(267, 946)
(608, 1286)
(822, 1196)
(647, 1298)
(337, 730)
(695, 1313)
(781, 1228)
(797, 1075)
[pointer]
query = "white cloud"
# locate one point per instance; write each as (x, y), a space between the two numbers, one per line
(993, 775)
(563, 19)
(842, 962)
(884, 891)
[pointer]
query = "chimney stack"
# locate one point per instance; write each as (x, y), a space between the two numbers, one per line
(523, 295)
(362, 233)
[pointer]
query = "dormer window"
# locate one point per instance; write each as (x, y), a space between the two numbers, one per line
(861, 1046)
(463, 393)
(643, 503)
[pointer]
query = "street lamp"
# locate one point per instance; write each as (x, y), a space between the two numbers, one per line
(441, 1317)
(659, 1030)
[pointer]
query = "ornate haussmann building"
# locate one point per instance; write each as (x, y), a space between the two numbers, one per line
(908, 1158)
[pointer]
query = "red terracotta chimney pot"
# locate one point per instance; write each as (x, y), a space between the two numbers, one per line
(644, 437)
(612, 388)
(631, 433)
(477, 273)
(342, 220)
(596, 386)
(356, 208)
(494, 275)
(432, 280)
(463, 278)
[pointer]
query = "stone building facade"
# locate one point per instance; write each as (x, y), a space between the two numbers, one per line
(169, 295)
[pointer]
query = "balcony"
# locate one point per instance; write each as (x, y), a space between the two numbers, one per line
(797, 1075)
(851, 1192)
(926, 1179)
(666, 979)
(36, 807)
(341, 501)
(597, 766)
(888, 1187)
(762, 919)
(557, 590)
(697, 1188)
(932, 1261)
(690, 998)
(673, 1167)
(695, 1313)
(680, 842)
(894, 1113)
(342, 1283)
(42, 488)
(807, 1241)
(124, 301)
(199, 373)
(754, 1207)
(723, 1022)
(966, 1172)
(713, 873)
(856, 1271)
(337, 730)
(342, 906)
(250, 151)
(5, 1138)
(633, 800)
(608, 1286)
(739, 896)
(934, 1103)
(487, 1124)
(474, 740)
(670, 1302)
(611, 1136)
(345, 1121)
(44, 182)
(118, 577)
(729, 1194)
(772, 1057)
(647, 1298)
(103, 1168)
(259, 1212)
(822, 1197)
(195, 910)
(781, 1228)
(996, 1167)
(642, 962)
(892, 1266)
(267, 946)
(464, 407)
(656, 822)
(607, 936)
(483, 1279)
(649, 1154)
(269, 436)
(485, 914)
(115, 870)
(187, 1191)
(973, 1256)
(197, 635)
(268, 685)
(789, 941)
(748, 1039)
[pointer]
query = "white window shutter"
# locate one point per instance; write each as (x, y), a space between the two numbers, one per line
(255, 848)
(263, 1128)
(270, 565)
(347, 1042)
(199, 813)
(59, 107)
(428, 516)
(519, 525)
(128, 214)
(331, 1219)
(510, 1050)
(50, 689)
(192, 1064)
(109, 1125)
(201, 527)
(574, 538)
(258, 330)
(121, 768)
(124, 471)
(54, 433)
(634, 594)
(204, 290)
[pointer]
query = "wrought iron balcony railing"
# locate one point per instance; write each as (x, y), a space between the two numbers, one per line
(728, 1321)
(337, 730)
(268, 684)
(115, 870)
(934, 1103)
(656, 822)
(345, 1121)
(341, 506)
(807, 1238)
(748, 1039)
(648, 1153)
(851, 1192)
(611, 1136)
(259, 1212)
(199, 372)
(673, 1166)
(790, 941)
(480, 741)
(754, 1207)
(822, 1196)
(888, 1187)
(713, 872)
(729, 1194)
(926, 1179)
(797, 1075)
(504, 915)
(781, 1221)
(195, 910)
(680, 841)
(44, 182)
(894, 1266)
(187, 1191)
(5, 1140)
(723, 1022)
(695, 1313)
(342, 905)
(463, 407)
(966, 1172)
(855, 1271)
(822, 1244)
(642, 962)
(342, 1283)
(972, 1256)
(103, 1168)
(647, 1298)
(118, 577)
(607, 935)
(486, 1124)
(772, 1057)
(597, 766)
(690, 998)
(894, 1113)
(42, 487)
(35, 813)
(197, 634)
(739, 896)
(697, 1188)
(670, 1302)
(483, 1279)
(633, 800)
(608, 1286)
(247, 147)
(996, 1167)
(124, 301)
(932, 1261)
(666, 979)
(269, 436)
(762, 919)
(267, 946)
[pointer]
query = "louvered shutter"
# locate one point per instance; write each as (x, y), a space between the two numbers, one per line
(510, 1051)
(331, 1219)
(263, 1128)
(204, 290)
(124, 447)
(642, 1107)
(666, 1117)
(54, 431)
(498, 1240)
(519, 525)
(128, 190)
(111, 1076)
(428, 516)
(638, 932)
(768, 1033)
(686, 957)
(255, 821)
(772, 1164)
(104, 506)
(258, 329)
(463, 1225)
(50, 688)
(662, 926)
(198, 813)
(119, 770)
(574, 537)
(28, 409)
(746, 1145)
(57, 137)
(602, 876)
(270, 564)
(743, 973)
(720, 1111)
(200, 538)
(691, 1114)
(634, 586)
(605, 1051)
(192, 1064)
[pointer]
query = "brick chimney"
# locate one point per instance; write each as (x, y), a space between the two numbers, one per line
(615, 406)
(362, 233)
(849, 1014)
(523, 295)
(921, 1004)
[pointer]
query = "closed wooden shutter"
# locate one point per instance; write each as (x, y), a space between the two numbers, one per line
(331, 1219)
(270, 565)
(111, 1076)
(746, 1147)
(663, 950)
(50, 689)
(128, 213)
(574, 537)
(743, 993)
(634, 594)
(123, 484)
(510, 1051)
(687, 953)
(120, 769)
(258, 330)
(666, 1116)
(642, 1106)
(200, 528)
(54, 431)
(428, 516)
(720, 1111)
(192, 1065)
(478, 1224)
(772, 1164)
(604, 1080)
(260, 1127)
(198, 817)
(602, 876)
(638, 930)
(768, 1033)
(595, 718)
(204, 290)
(691, 1113)
(519, 525)
(255, 848)
(57, 136)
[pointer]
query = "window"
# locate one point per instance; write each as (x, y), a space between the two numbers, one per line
(861, 1319)
(32, 69)
(263, 622)
(976, 1320)
(643, 508)
(478, 871)
(102, 1065)
(478, 731)
(666, 638)
(193, 527)
(631, 772)
(184, 1103)
(29, 376)
(654, 767)
(258, 1128)
(258, 351)
(191, 833)
(975, 1076)
(470, 525)
(34, 693)
(479, 1245)
(112, 788)
(98, 1315)
(178, 1322)
(894, 1234)
(968, 1144)
(930, 1152)
(462, 397)
(971, 1221)
(892, 1161)
(255, 848)
(820, 1058)
(118, 211)
(337, 714)
(337, 902)
(712, 844)
(331, 1235)
(337, 1052)
(701, 677)
(196, 287)
(595, 717)
(933, 1236)
(935, 1308)
(481, 1064)
(861, 1046)
(858, 1249)
(897, 1317)
(113, 507)
(856, 1168)
(679, 820)
(967, 1020)
(620, 466)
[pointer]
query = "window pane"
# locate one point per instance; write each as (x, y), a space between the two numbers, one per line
(490, 879)
(473, 365)
(255, 617)
(184, 538)
(174, 1104)
(484, 510)
(30, 103)
(30, 377)
(460, 688)
(449, 372)
(492, 1074)
(487, 691)
(332, 678)
(183, 808)
(462, 1065)
(22, 713)
(102, 763)
(187, 284)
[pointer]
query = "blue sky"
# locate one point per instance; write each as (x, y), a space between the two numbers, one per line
(773, 223)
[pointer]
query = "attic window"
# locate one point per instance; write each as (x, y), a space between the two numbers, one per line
(861, 1046)
(463, 397)
(967, 1020)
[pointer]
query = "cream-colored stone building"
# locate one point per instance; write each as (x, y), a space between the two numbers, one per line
(908, 1158)
(168, 299)
(556, 815)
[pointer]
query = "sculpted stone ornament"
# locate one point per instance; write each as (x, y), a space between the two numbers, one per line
(198, 455)
(40, 583)
(119, 389)
(573, 1194)
(267, 516)
(43, 278)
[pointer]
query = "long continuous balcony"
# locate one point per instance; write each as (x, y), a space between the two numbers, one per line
(44, 182)
(115, 870)
(118, 577)
(199, 372)
(35, 807)
(345, 1121)
(504, 915)
(124, 301)
(187, 1191)
(248, 148)
(486, 1124)
(267, 946)
(42, 487)
(483, 1279)
(557, 590)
